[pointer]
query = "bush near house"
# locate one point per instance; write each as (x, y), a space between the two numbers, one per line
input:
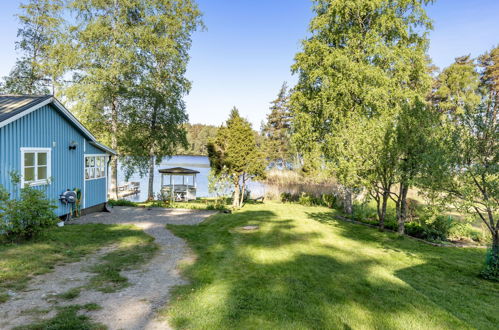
(25, 217)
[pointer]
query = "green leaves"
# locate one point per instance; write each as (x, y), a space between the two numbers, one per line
(277, 131)
(36, 68)
(234, 152)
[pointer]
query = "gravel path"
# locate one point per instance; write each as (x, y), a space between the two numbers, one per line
(134, 307)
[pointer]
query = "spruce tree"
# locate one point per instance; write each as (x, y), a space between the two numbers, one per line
(235, 154)
(277, 131)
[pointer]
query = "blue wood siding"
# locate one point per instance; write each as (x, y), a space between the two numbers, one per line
(90, 149)
(46, 128)
(95, 192)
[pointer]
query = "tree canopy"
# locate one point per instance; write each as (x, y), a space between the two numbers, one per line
(277, 131)
(234, 152)
(363, 65)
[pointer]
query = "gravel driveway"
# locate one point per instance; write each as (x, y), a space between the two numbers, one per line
(134, 307)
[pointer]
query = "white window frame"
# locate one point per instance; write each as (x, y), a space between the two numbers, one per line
(102, 167)
(36, 151)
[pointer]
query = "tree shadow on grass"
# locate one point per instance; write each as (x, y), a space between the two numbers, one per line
(21, 261)
(447, 276)
(287, 286)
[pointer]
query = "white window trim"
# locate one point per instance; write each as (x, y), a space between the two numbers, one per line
(85, 168)
(49, 166)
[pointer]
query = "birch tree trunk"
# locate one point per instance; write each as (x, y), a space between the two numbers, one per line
(382, 210)
(150, 186)
(402, 212)
(243, 191)
(114, 146)
(347, 201)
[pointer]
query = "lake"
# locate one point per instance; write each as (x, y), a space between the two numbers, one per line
(198, 163)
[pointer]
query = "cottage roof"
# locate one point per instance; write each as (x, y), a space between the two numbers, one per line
(178, 171)
(13, 107)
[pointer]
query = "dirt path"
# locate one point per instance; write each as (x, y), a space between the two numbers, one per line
(134, 307)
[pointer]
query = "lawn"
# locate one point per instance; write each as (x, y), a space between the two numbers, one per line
(21, 261)
(304, 269)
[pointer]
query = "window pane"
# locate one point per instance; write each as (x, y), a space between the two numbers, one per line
(92, 161)
(87, 173)
(29, 159)
(42, 173)
(42, 158)
(92, 173)
(29, 174)
(87, 161)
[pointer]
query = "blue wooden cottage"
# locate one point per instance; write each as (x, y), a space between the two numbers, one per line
(49, 148)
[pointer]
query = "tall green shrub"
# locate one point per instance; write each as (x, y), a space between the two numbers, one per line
(491, 270)
(25, 217)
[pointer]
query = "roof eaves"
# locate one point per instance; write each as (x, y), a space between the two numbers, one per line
(103, 147)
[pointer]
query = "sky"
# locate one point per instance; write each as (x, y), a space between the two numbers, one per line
(245, 53)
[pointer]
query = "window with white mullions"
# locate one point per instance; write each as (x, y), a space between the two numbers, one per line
(95, 167)
(35, 166)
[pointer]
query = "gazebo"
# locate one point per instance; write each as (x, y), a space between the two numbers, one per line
(184, 190)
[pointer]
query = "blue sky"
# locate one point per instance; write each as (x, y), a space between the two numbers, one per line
(246, 52)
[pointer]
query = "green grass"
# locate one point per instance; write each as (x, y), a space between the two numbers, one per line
(131, 253)
(70, 294)
(20, 262)
(68, 317)
(198, 204)
(304, 269)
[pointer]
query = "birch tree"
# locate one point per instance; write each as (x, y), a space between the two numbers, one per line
(128, 49)
(35, 70)
(363, 64)
(467, 175)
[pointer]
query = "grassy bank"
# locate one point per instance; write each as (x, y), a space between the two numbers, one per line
(303, 269)
(20, 262)
(197, 204)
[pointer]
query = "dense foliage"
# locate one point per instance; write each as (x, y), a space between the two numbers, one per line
(276, 132)
(235, 154)
(36, 68)
(198, 136)
(466, 171)
(363, 67)
(26, 216)
(125, 61)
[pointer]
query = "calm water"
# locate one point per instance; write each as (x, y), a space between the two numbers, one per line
(198, 163)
